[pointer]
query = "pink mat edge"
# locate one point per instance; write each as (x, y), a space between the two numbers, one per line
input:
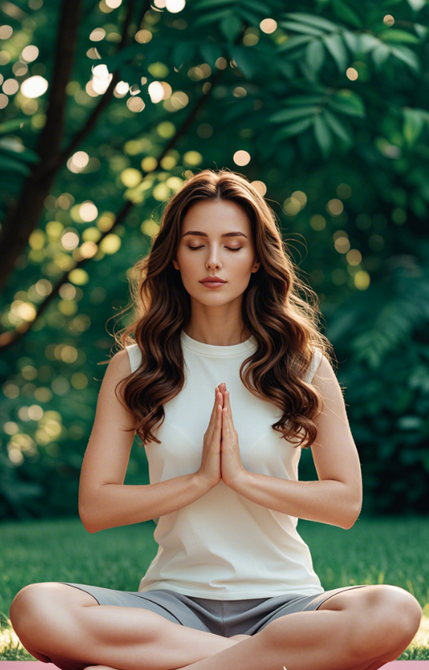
(21, 665)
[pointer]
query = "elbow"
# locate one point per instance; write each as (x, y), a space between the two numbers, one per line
(347, 526)
(353, 517)
(87, 522)
(90, 529)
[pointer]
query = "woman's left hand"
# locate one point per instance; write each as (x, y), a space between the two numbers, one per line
(231, 465)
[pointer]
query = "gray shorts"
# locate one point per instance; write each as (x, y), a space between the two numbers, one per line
(221, 617)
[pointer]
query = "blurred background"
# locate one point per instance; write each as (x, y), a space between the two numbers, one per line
(106, 108)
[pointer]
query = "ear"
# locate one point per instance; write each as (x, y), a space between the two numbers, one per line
(256, 265)
(176, 264)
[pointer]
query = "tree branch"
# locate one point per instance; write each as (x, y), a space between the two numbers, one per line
(12, 336)
(23, 216)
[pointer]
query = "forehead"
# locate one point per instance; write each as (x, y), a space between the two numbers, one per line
(216, 217)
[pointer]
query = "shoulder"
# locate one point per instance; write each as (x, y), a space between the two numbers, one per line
(323, 375)
(124, 362)
(134, 355)
(318, 362)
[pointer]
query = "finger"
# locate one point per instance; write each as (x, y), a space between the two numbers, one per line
(219, 419)
(228, 405)
(216, 402)
(225, 419)
(214, 425)
(214, 415)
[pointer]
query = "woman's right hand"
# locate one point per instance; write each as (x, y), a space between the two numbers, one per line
(210, 470)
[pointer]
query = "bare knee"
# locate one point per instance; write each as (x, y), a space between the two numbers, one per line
(387, 618)
(403, 611)
(36, 612)
(23, 604)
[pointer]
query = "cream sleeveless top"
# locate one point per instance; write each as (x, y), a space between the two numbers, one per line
(224, 546)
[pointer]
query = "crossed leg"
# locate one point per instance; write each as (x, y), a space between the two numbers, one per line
(64, 625)
(359, 629)
(392, 616)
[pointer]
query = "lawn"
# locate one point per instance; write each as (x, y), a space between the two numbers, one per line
(387, 551)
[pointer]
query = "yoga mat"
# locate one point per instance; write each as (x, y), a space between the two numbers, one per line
(38, 665)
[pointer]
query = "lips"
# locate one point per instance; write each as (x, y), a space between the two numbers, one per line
(212, 280)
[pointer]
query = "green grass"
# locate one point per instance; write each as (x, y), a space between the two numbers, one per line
(387, 551)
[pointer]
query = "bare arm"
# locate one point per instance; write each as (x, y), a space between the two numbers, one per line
(336, 498)
(104, 500)
(121, 505)
(323, 501)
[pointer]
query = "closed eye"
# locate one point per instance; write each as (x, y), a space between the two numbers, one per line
(237, 249)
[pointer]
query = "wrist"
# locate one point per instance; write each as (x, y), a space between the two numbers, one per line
(239, 480)
(201, 484)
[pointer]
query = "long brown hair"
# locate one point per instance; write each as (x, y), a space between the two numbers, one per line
(283, 323)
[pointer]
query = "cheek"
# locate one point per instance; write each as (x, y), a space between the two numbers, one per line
(190, 266)
(244, 263)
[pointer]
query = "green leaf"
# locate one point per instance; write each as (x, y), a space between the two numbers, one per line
(301, 100)
(293, 42)
(347, 102)
(337, 126)
(345, 13)
(367, 42)
(336, 47)
(293, 129)
(210, 4)
(11, 146)
(256, 6)
(213, 17)
(410, 422)
(421, 30)
(210, 52)
(312, 89)
(182, 53)
(315, 55)
(417, 4)
(300, 28)
(253, 19)
(231, 27)
(413, 124)
(380, 54)
(10, 164)
(114, 62)
(290, 114)
(407, 56)
(398, 36)
(323, 135)
(13, 124)
(313, 20)
(307, 72)
(242, 59)
(352, 41)
(238, 108)
(286, 68)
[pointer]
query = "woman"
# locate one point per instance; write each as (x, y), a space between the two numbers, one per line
(225, 383)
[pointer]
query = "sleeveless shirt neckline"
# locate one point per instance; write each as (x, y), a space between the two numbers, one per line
(215, 349)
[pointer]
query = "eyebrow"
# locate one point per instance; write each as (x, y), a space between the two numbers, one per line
(199, 232)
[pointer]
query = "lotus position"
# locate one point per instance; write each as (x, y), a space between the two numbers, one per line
(225, 378)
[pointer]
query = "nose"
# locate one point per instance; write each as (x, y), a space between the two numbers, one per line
(213, 261)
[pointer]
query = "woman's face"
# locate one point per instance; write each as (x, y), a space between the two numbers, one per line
(203, 251)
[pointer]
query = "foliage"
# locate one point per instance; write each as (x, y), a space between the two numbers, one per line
(325, 110)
